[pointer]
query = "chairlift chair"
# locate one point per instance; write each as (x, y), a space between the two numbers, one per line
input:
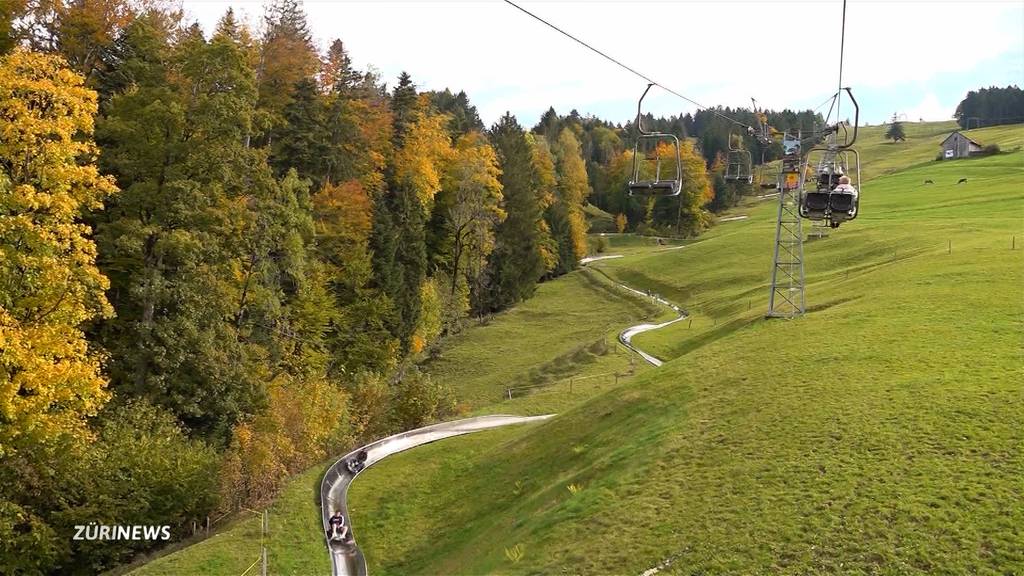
(658, 186)
(738, 161)
(766, 183)
(829, 202)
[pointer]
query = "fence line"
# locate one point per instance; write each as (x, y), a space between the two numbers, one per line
(512, 391)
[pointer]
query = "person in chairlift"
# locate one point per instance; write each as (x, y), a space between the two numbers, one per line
(845, 187)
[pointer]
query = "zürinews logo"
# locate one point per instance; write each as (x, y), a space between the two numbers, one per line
(94, 531)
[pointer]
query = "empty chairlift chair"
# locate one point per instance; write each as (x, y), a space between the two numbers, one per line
(655, 147)
(738, 162)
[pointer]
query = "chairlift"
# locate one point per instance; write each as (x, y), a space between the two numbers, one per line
(738, 160)
(648, 146)
(771, 183)
(833, 201)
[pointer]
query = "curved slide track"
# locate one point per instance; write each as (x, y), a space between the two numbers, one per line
(626, 336)
(346, 557)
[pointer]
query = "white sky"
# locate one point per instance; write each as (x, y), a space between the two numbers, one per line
(917, 58)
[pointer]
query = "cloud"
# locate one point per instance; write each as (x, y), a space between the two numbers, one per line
(930, 109)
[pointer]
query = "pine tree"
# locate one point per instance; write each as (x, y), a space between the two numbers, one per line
(400, 212)
(895, 132)
(337, 74)
(404, 106)
(463, 116)
(516, 264)
(287, 57)
(359, 337)
(303, 141)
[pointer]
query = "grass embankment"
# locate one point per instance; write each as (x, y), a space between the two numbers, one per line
(294, 543)
(566, 330)
(557, 334)
(883, 432)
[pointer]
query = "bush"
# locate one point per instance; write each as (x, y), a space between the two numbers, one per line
(990, 149)
(306, 420)
(142, 470)
(416, 400)
(598, 244)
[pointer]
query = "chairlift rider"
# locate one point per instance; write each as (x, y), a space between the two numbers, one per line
(828, 176)
(843, 201)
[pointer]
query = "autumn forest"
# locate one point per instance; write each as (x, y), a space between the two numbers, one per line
(224, 256)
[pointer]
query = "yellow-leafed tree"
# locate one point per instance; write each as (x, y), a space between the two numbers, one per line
(472, 205)
(421, 161)
(568, 223)
(50, 381)
(620, 223)
(545, 181)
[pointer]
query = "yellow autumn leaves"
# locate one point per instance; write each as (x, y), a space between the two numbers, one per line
(49, 284)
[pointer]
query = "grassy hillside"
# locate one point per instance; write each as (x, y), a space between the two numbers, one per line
(566, 330)
(294, 544)
(724, 282)
(880, 433)
(544, 339)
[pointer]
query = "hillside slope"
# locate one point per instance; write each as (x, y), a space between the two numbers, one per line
(880, 433)
(566, 330)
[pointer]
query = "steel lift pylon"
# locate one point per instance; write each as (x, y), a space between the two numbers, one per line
(787, 290)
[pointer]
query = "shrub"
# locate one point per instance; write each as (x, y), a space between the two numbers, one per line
(598, 244)
(416, 400)
(990, 149)
(305, 421)
(143, 469)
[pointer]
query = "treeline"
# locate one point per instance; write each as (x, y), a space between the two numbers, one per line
(991, 107)
(705, 135)
(232, 271)
(222, 257)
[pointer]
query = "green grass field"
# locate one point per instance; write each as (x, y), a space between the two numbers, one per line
(881, 433)
(295, 543)
(567, 330)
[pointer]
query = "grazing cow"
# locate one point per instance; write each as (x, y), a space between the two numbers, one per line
(929, 182)
(962, 180)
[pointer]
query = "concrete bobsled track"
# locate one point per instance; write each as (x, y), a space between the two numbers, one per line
(626, 336)
(346, 558)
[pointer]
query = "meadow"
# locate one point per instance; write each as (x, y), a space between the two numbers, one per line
(881, 433)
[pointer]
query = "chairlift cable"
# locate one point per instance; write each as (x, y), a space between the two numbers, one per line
(648, 79)
(842, 47)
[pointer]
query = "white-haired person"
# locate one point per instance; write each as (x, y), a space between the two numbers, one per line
(844, 186)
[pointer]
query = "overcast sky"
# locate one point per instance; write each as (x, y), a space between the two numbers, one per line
(914, 58)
